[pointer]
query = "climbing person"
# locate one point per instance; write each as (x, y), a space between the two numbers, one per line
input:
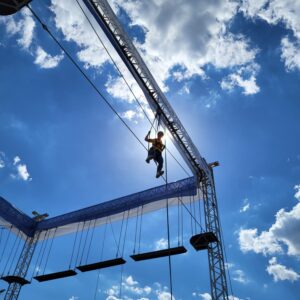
(155, 152)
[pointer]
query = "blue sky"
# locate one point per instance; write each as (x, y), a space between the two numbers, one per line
(231, 72)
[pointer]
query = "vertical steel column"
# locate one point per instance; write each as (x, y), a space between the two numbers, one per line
(217, 271)
(22, 266)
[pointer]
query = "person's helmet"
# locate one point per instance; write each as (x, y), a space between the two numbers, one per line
(160, 133)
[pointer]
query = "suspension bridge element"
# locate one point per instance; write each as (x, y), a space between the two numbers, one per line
(13, 218)
(152, 199)
(201, 241)
(15, 279)
(55, 275)
(9, 7)
(102, 264)
(159, 253)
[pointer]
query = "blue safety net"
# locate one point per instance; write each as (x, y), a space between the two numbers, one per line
(151, 200)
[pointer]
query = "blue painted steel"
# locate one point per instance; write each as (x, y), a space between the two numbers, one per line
(18, 219)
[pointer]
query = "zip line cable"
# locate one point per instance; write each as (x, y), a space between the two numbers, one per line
(124, 79)
(44, 26)
(86, 77)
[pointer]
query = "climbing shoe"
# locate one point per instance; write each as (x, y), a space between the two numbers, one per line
(158, 174)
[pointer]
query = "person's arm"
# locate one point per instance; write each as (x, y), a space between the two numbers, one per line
(147, 139)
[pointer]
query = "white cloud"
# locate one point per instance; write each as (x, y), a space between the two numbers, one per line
(73, 298)
(204, 39)
(21, 25)
(230, 297)
(205, 296)
(118, 89)
(274, 12)
(265, 243)
(290, 54)
(279, 11)
(239, 276)
(112, 293)
(245, 206)
(129, 280)
(163, 295)
(198, 38)
(284, 231)
(133, 287)
(70, 20)
(2, 158)
(281, 272)
(161, 244)
(17, 159)
(45, 60)
(245, 78)
(21, 169)
(23, 173)
(297, 194)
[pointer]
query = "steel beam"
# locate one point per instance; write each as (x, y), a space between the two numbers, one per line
(158, 102)
(217, 271)
(22, 267)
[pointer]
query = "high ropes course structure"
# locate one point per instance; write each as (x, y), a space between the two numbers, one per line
(26, 243)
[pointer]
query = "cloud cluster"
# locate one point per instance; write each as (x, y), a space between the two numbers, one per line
(281, 272)
(285, 231)
(282, 237)
(279, 11)
(45, 60)
(239, 276)
(245, 78)
(70, 20)
(21, 170)
(132, 290)
(246, 206)
(23, 26)
(2, 158)
(16, 168)
(183, 46)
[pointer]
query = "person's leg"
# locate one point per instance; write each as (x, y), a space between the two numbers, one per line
(160, 162)
(151, 155)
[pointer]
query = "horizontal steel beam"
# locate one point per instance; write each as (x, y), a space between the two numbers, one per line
(10, 216)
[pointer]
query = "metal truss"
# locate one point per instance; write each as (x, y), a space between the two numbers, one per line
(22, 267)
(158, 102)
(109, 23)
(217, 271)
